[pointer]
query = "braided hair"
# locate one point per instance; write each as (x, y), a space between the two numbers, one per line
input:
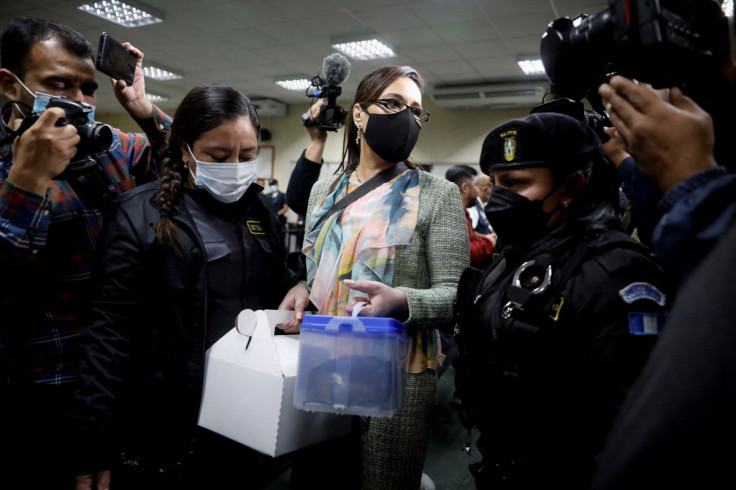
(204, 108)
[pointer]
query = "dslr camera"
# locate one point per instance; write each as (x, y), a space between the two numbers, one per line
(662, 42)
(95, 137)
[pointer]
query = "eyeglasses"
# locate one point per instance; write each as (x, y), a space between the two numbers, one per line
(394, 105)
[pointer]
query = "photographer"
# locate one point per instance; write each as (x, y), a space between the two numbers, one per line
(676, 428)
(48, 235)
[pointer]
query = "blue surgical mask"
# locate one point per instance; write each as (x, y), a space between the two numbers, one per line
(41, 101)
(226, 182)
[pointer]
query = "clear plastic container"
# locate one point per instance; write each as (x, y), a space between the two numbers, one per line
(352, 365)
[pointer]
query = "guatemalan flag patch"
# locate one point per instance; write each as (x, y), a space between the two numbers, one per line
(641, 323)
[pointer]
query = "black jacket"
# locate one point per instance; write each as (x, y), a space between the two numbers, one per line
(144, 343)
(544, 382)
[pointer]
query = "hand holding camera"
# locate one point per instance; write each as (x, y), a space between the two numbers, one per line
(43, 151)
(665, 154)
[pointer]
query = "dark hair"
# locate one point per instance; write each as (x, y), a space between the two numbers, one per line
(205, 107)
(450, 174)
(597, 207)
(370, 88)
(18, 36)
(459, 175)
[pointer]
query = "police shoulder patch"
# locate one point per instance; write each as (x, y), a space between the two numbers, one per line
(642, 290)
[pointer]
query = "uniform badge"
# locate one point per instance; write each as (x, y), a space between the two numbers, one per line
(255, 227)
(509, 148)
(642, 290)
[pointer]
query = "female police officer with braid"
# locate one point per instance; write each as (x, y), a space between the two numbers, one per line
(552, 334)
(178, 260)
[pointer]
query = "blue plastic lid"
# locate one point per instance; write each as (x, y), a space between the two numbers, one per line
(370, 324)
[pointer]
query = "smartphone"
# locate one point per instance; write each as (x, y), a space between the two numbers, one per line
(114, 60)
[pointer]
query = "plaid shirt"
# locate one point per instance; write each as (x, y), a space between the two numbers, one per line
(47, 244)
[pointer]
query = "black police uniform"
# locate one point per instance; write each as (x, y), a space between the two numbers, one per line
(155, 313)
(550, 337)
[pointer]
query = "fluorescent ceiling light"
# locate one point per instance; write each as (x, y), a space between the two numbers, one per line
(727, 7)
(296, 84)
(122, 13)
(157, 73)
(369, 49)
(156, 98)
(531, 67)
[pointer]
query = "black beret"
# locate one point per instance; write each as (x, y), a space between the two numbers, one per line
(545, 139)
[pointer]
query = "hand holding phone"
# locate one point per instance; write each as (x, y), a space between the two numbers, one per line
(114, 59)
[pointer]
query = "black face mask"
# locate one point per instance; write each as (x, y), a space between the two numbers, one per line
(392, 136)
(514, 218)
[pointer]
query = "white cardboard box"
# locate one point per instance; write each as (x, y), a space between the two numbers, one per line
(249, 393)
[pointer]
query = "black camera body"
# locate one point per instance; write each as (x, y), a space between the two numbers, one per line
(95, 137)
(331, 116)
(662, 42)
(597, 119)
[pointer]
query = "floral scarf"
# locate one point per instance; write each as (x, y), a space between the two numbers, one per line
(359, 243)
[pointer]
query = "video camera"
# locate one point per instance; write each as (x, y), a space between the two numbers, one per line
(95, 137)
(335, 70)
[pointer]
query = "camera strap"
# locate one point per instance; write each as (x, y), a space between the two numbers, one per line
(372, 183)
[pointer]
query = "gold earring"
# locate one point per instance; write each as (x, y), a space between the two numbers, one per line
(565, 203)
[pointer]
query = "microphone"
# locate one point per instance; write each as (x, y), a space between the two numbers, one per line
(335, 70)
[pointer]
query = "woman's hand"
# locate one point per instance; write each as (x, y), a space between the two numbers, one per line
(297, 300)
(317, 135)
(382, 300)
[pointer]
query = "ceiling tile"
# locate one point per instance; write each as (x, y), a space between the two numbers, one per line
(250, 13)
(499, 66)
(513, 26)
(452, 68)
(500, 8)
(474, 30)
(388, 18)
(438, 12)
(431, 54)
(474, 49)
(412, 38)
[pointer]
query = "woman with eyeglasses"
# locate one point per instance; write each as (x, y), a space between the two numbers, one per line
(178, 260)
(401, 248)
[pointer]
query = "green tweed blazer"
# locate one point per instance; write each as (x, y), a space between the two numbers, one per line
(428, 268)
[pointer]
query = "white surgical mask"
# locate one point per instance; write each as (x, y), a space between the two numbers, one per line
(226, 182)
(274, 189)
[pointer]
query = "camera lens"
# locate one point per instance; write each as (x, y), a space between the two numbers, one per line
(575, 51)
(95, 136)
